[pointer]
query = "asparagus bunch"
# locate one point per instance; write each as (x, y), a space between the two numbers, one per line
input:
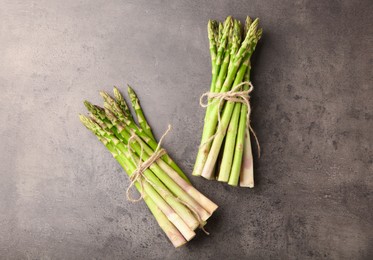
(178, 207)
(225, 152)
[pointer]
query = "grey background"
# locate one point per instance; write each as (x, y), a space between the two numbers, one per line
(63, 195)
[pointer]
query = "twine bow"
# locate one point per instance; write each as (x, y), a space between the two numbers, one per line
(233, 95)
(142, 166)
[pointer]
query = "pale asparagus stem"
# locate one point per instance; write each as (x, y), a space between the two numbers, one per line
(218, 164)
(211, 122)
(174, 218)
(206, 203)
(247, 165)
(223, 39)
(159, 180)
(170, 230)
(227, 157)
(249, 46)
(239, 149)
(139, 113)
(122, 103)
(111, 105)
(243, 163)
(149, 191)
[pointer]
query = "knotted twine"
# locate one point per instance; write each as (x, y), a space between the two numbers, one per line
(138, 175)
(233, 95)
(142, 166)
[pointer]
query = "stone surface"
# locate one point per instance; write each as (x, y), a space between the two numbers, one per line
(63, 195)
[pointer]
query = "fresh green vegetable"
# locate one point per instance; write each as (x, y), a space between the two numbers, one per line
(139, 113)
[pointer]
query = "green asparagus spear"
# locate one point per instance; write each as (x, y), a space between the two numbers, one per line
(139, 113)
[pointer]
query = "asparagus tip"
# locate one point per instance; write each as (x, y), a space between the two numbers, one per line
(85, 120)
(88, 104)
(117, 94)
(129, 88)
(104, 94)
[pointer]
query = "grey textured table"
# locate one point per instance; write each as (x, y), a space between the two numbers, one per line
(62, 194)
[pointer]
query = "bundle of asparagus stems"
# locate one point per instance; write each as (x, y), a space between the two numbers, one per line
(177, 206)
(225, 152)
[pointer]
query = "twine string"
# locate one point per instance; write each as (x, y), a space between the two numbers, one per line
(142, 166)
(233, 95)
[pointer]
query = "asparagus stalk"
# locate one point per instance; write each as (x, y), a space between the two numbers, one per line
(139, 113)
(243, 167)
(230, 141)
(225, 165)
(246, 166)
(236, 39)
(212, 29)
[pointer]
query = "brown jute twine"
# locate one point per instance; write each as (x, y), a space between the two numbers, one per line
(142, 166)
(138, 174)
(233, 95)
